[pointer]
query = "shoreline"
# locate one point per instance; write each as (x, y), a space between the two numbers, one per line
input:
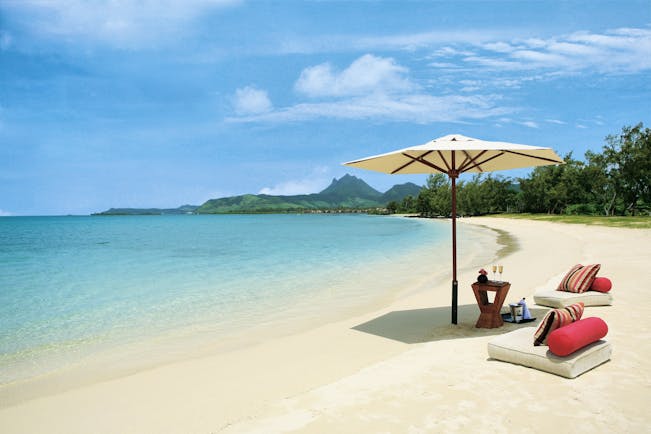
(182, 345)
(397, 368)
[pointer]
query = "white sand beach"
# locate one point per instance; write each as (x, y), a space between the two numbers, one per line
(402, 369)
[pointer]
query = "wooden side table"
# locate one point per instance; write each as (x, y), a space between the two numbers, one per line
(490, 316)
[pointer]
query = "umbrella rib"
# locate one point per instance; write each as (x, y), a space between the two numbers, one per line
(419, 160)
(464, 162)
(533, 156)
(483, 162)
(409, 163)
(470, 160)
(444, 160)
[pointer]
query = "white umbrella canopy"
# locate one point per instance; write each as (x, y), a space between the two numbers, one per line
(460, 154)
(453, 155)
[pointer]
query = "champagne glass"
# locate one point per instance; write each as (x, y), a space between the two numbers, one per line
(500, 268)
(494, 270)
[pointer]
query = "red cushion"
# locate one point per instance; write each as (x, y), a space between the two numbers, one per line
(566, 340)
(601, 284)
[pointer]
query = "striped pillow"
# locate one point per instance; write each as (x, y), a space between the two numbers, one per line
(557, 318)
(579, 278)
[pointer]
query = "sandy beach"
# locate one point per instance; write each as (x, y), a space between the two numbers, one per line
(401, 369)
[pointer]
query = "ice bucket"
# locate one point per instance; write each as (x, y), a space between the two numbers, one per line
(516, 311)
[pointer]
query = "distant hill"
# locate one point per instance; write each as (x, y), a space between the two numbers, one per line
(348, 192)
(345, 193)
(398, 192)
(185, 209)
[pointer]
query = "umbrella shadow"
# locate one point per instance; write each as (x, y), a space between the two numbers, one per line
(433, 324)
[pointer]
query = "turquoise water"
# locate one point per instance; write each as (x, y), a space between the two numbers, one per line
(71, 287)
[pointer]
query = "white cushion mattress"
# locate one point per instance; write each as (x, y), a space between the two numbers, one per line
(558, 299)
(517, 347)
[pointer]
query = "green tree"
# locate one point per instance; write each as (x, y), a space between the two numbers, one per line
(408, 205)
(435, 199)
(603, 194)
(535, 191)
(550, 189)
(499, 194)
(469, 198)
(627, 162)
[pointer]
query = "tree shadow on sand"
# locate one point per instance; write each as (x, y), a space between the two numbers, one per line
(433, 324)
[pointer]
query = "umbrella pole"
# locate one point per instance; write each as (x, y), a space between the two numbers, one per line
(455, 285)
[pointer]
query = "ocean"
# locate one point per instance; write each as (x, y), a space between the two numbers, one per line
(78, 290)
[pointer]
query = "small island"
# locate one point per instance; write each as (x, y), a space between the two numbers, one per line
(346, 194)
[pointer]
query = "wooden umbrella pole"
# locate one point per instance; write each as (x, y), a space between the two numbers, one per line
(453, 174)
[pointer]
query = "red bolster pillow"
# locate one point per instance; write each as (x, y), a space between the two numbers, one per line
(601, 284)
(567, 339)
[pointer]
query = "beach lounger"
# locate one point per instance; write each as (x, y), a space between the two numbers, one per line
(517, 347)
(558, 299)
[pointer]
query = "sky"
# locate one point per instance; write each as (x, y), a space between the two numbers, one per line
(164, 103)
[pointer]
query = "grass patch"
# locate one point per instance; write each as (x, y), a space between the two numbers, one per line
(637, 222)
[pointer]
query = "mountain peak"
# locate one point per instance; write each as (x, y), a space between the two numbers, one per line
(351, 186)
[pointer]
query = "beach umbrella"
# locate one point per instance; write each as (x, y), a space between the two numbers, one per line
(453, 155)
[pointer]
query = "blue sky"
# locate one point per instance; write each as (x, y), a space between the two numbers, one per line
(162, 103)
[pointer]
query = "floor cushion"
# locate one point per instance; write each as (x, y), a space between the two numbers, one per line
(566, 340)
(554, 298)
(517, 347)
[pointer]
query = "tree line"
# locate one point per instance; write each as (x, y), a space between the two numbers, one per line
(615, 181)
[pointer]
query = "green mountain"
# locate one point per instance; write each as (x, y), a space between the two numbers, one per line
(185, 209)
(398, 192)
(345, 193)
(348, 192)
(349, 186)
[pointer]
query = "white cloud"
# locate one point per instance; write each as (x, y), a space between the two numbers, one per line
(444, 65)
(525, 123)
(530, 124)
(470, 85)
(249, 100)
(416, 108)
(314, 183)
(494, 63)
(374, 88)
(555, 121)
(380, 88)
(622, 50)
(413, 41)
(5, 213)
(538, 58)
(450, 51)
(120, 23)
(500, 47)
(535, 43)
(366, 74)
(615, 51)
